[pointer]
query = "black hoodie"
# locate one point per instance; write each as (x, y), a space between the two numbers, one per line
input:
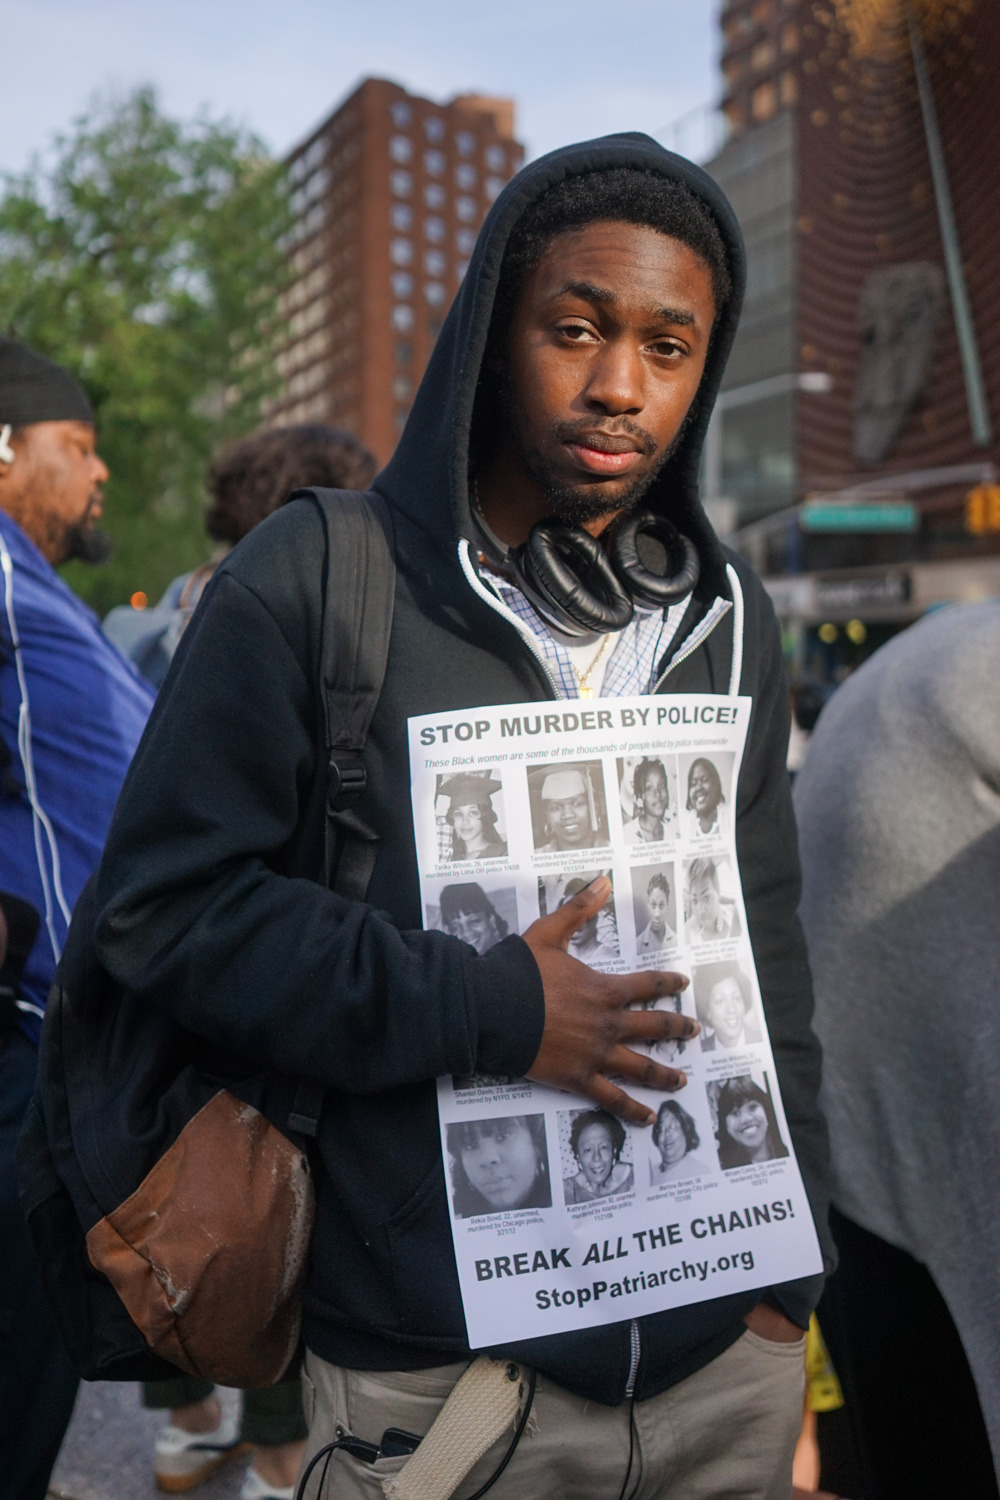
(202, 911)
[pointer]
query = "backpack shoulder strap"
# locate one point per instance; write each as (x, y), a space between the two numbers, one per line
(360, 587)
(357, 620)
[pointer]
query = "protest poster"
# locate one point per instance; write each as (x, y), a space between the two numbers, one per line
(563, 1216)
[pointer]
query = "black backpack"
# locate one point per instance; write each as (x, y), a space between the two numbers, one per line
(167, 1190)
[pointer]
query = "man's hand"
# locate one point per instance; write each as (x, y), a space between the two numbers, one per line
(768, 1323)
(588, 1025)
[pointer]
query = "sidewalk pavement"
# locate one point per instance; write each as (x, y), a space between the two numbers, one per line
(108, 1450)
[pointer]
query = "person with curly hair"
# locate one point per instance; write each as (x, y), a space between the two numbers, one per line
(597, 1140)
(247, 481)
(651, 799)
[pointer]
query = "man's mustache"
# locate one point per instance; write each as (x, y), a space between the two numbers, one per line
(584, 427)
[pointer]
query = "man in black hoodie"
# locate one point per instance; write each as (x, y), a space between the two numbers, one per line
(574, 377)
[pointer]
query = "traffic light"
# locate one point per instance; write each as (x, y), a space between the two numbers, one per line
(982, 509)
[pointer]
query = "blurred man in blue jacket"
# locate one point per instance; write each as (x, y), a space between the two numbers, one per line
(71, 713)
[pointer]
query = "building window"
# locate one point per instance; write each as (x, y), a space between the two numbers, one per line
(402, 387)
(434, 326)
(434, 128)
(494, 186)
(401, 252)
(467, 210)
(434, 162)
(400, 148)
(404, 353)
(465, 176)
(788, 86)
(402, 216)
(435, 262)
(435, 294)
(434, 230)
(402, 318)
(764, 101)
(496, 158)
(400, 420)
(402, 284)
(762, 56)
(734, 115)
(401, 113)
(465, 240)
(789, 37)
(461, 269)
(434, 195)
(402, 184)
(465, 141)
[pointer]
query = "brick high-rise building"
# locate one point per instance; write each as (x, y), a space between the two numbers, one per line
(864, 386)
(389, 194)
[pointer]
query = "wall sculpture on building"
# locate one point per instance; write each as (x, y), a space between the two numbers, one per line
(898, 314)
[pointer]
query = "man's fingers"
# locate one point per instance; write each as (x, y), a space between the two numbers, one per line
(651, 985)
(569, 917)
(656, 1025)
(638, 1068)
(610, 1097)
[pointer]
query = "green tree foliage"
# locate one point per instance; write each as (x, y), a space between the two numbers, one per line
(147, 258)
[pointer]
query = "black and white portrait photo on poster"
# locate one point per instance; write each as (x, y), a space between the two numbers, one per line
(679, 1150)
(705, 787)
(596, 1155)
(670, 1050)
(654, 908)
(478, 914)
(568, 807)
(710, 912)
(469, 815)
(745, 1125)
(498, 1165)
(647, 792)
(724, 1001)
(596, 942)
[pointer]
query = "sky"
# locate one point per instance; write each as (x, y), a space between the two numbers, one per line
(577, 68)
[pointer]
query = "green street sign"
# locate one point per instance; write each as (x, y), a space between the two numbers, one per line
(885, 515)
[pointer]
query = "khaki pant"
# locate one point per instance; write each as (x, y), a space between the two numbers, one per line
(726, 1433)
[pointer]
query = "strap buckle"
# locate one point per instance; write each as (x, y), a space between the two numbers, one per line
(347, 780)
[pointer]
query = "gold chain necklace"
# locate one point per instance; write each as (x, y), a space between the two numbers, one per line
(582, 678)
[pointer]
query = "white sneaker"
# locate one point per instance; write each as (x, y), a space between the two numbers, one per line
(256, 1488)
(185, 1459)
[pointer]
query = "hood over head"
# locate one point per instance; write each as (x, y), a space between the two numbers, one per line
(427, 476)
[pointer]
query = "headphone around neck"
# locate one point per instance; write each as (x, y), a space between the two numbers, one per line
(580, 588)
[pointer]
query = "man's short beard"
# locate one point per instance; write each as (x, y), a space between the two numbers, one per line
(576, 504)
(86, 544)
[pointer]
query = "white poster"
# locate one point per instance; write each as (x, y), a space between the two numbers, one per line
(563, 1216)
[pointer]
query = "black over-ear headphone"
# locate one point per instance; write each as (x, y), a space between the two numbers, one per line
(580, 588)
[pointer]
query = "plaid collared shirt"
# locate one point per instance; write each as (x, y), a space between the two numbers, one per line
(631, 668)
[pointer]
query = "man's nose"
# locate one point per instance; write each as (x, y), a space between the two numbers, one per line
(101, 472)
(616, 379)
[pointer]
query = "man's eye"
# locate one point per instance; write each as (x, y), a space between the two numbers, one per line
(578, 332)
